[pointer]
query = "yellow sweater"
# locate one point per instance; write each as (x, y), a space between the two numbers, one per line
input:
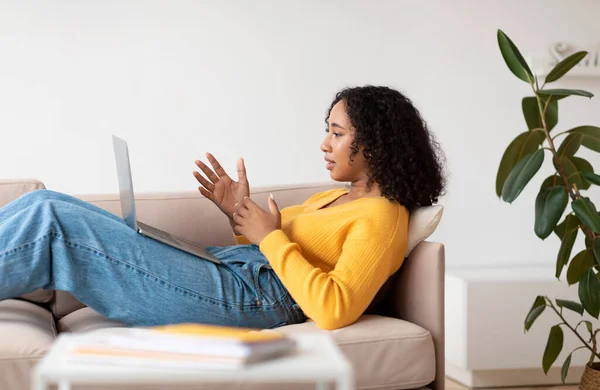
(334, 260)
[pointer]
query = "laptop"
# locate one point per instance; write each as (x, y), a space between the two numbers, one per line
(128, 208)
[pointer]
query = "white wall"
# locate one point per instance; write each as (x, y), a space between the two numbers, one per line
(253, 79)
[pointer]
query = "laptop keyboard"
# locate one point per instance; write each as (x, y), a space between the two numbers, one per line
(157, 232)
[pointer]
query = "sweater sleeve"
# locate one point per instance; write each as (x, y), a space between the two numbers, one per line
(332, 299)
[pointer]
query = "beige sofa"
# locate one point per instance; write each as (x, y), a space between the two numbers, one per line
(397, 344)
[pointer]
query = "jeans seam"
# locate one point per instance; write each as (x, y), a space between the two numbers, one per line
(27, 244)
(297, 315)
(275, 304)
(174, 287)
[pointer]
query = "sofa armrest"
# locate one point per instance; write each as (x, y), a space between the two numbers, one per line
(11, 189)
(417, 296)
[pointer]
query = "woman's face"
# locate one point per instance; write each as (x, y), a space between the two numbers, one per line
(336, 147)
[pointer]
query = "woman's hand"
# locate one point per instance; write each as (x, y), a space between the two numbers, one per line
(254, 222)
(219, 187)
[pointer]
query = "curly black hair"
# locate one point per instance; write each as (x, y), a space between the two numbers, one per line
(401, 154)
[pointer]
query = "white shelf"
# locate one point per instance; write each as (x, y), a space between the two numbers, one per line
(485, 312)
(587, 67)
(578, 71)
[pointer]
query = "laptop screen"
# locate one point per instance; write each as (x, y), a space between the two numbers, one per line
(125, 182)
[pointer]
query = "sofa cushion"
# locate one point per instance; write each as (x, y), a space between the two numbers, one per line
(421, 224)
(26, 333)
(64, 303)
(39, 296)
(84, 320)
(385, 352)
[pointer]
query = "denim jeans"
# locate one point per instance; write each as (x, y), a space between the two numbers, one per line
(57, 242)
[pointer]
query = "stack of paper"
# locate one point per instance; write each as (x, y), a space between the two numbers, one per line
(182, 345)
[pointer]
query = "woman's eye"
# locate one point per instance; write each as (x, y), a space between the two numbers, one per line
(334, 134)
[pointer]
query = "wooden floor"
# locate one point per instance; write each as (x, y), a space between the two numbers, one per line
(451, 385)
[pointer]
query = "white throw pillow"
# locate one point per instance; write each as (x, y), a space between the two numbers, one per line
(421, 224)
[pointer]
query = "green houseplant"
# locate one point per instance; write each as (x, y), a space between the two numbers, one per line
(519, 164)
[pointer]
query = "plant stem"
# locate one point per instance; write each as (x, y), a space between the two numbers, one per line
(561, 133)
(581, 322)
(543, 117)
(559, 166)
(593, 346)
(594, 353)
(571, 188)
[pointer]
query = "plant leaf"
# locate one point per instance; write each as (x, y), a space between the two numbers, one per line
(580, 264)
(591, 136)
(551, 181)
(565, 92)
(589, 293)
(582, 166)
(571, 305)
(553, 347)
(532, 114)
(564, 66)
(521, 174)
(587, 213)
(536, 309)
(565, 368)
(597, 250)
(564, 253)
(570, 145)
(591, 177)
(550, 205)
(522, 145)
(571, 171)
(589, 327)
(569, 223)
(513, 58)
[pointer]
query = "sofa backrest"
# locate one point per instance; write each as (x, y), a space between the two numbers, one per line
(191, 216)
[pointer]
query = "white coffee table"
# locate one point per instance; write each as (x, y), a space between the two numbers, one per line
(318, 360)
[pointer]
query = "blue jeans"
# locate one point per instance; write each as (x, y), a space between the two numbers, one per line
(54, 241)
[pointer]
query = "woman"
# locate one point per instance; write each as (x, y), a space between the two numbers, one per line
(324, 259)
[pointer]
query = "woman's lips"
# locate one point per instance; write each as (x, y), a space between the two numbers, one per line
(329, 164)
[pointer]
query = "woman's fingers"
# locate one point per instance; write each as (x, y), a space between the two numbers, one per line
(206, 193)
(216, 165)
(237, 218)
(241, 171)
(248, 203)
(237, 231)
(207, 171)
(208, 185)
(241, 210)
(245, 207)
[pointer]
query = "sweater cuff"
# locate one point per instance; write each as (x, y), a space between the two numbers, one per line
(241, 239)
(273, 242)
